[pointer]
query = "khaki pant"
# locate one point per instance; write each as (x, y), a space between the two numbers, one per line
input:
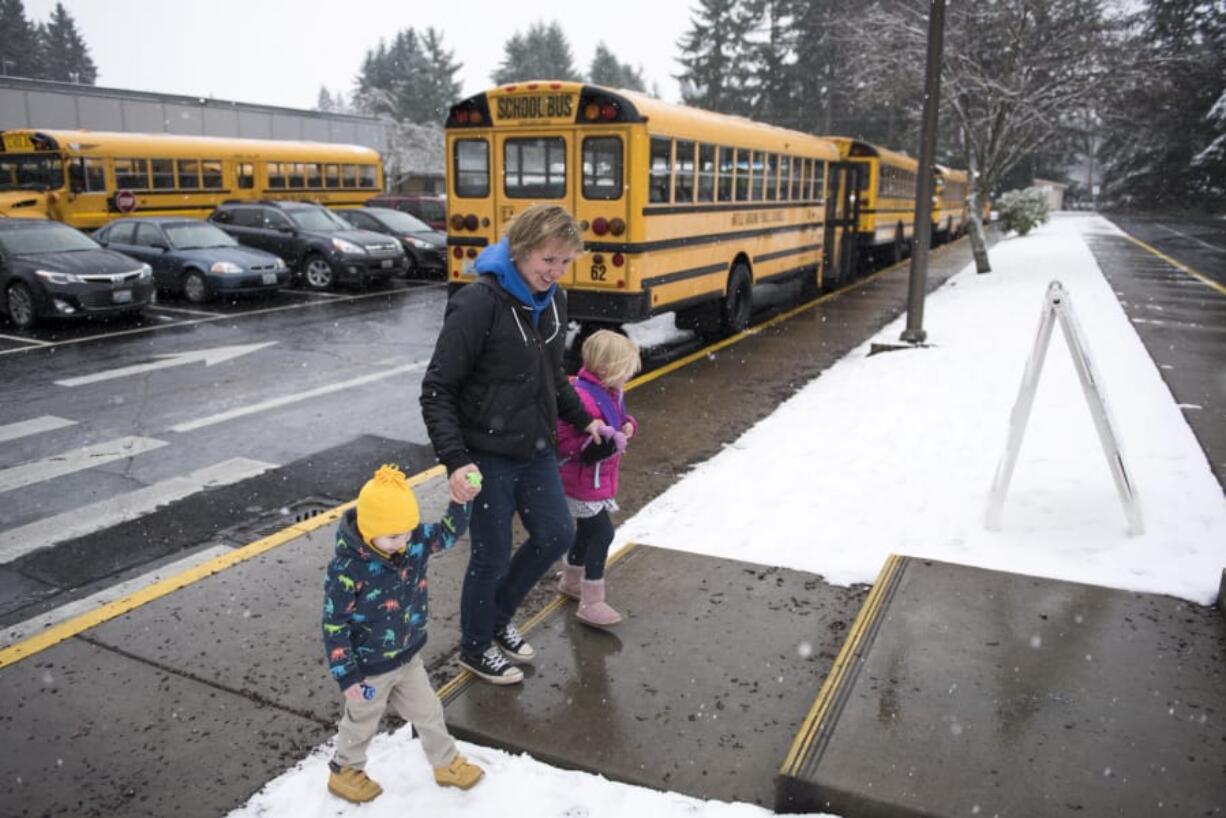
(407, 688)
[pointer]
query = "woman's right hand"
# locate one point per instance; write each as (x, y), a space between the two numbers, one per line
(464, 490)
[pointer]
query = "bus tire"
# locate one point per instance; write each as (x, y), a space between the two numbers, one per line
(20, 302)
(318, 273)
(196, 287)
(738, 300)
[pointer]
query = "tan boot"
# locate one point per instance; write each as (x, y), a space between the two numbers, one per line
(459, 773)
(353, 785)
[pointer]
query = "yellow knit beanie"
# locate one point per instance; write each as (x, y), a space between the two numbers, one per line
(386, 505)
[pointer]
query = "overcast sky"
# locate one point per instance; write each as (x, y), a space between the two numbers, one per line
(279, 52)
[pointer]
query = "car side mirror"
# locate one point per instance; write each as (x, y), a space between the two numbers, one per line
(163, 248)
(289, 231)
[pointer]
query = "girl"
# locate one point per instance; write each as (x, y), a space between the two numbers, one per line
(590, 469)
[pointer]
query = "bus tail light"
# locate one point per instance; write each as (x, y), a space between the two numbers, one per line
(591, 111)
(461, 117)
(600, 225)
(618, 259)
(470, 221)
(617, 227)
(457, 222)
(621, 284)
(608, 111)
(471, 252)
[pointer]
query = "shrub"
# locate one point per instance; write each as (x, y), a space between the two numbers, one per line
(1022, 210)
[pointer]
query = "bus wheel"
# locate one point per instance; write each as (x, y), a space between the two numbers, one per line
(195, 287)
(318, 273)
(21, 305)
(738, 301)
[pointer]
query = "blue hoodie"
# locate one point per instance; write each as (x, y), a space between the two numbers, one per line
(496, 261)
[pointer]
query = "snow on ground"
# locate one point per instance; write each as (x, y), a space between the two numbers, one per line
(895, 453)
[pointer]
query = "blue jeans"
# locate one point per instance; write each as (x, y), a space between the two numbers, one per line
(497, 582)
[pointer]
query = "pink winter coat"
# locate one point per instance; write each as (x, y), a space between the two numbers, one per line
(588, 481)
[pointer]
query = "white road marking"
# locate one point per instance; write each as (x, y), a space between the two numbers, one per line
(161, 308)
(273, 403)
(84, 458)
(33, 341)
(1193, 238)
(17, 542)
(33, 426)
(215, 355)
(13, 634)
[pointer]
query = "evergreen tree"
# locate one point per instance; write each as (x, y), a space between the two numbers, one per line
(608, 71)
(325, 101)
(771, 56)
(65, 56)
(715, 59)
(20, 55)
(412, 80)
(441, 88)
(543, 53)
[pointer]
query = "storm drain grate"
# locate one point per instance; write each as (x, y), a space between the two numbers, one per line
(273, 520)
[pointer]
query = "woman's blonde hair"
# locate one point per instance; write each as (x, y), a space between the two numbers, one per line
(611, 356)
(542, 224)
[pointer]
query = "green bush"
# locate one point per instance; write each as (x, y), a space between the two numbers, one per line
(1022, 210)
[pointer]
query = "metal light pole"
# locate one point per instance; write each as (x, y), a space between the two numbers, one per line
(914, 333)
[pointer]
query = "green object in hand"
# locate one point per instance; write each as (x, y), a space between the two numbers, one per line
(474, 479)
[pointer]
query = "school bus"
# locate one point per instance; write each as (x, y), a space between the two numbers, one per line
(681, 209)
(886, 185)
(86, 178)
(949, 204)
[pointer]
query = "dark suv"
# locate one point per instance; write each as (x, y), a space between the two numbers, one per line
(320, 247)
(430, 209)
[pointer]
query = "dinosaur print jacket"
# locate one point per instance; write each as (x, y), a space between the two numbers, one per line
(375, 607)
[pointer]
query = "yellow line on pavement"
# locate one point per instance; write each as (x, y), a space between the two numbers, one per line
(1178, 265)
(69, 628)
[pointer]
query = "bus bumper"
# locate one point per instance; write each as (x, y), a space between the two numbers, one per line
(607, 307)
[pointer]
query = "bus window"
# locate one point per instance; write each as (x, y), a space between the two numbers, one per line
(602, 167)
(349, 175)
(472, 168)
(276, 176)
(86, 174)
(785, 178)
(366, 177)
(759, 175)
(683, 182)
(772, 176)
(132, 174)
(332, 175)
(660, 182)
(162, 173)
(534, 167)
(210, 174)
(798, 166)
(314, 175)
(189, 174)
(742, 175)
(725, 174)
(706, 173)
(819, 179)
(245, 172)
(294, 174)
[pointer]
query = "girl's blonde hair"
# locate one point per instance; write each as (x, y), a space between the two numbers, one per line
(542, 224)
(611, 356)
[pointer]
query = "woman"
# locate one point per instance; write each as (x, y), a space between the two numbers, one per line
(491, 399)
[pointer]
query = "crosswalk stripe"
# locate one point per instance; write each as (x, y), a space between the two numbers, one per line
(84, 458)
(33, 426)
(19, 541)
(12, 634)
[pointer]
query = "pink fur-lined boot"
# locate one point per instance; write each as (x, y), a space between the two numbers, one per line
(569, 579)
(593, 610)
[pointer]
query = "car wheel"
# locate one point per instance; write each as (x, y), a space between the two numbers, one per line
(318, 273)
(738, 301)
(21, 305)
(196, 287)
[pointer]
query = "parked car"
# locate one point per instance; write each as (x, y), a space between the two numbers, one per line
(425, 246)
(316, 243)
(194, 257)
(48, 269)
(430, 209)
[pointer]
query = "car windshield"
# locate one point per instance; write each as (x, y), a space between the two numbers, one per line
(51, 237)
(31, 172)
(318, 220)
(189, 236)
(401, 222)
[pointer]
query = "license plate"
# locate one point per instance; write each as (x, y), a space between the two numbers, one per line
(469, 265)
(387, 262)
(270, 278)
(121, 296)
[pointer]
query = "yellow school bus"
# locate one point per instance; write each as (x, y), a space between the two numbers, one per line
(681, 209)
(886, 198)
(87, 178)
(949, 204)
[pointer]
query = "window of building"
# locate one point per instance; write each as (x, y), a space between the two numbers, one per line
(132, 174)
(472, 168)
(706, 173)
(661, 179)
(602, 167)
(726, 166)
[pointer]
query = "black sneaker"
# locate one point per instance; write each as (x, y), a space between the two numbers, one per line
(513, 645)
(493, 667)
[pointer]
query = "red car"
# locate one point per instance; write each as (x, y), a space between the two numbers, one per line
(429, 208)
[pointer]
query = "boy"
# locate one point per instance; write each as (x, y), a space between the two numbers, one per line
(374, 625)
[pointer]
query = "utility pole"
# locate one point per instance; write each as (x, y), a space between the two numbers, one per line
(914, 333)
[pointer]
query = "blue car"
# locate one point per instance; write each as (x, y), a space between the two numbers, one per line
(194, 257)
